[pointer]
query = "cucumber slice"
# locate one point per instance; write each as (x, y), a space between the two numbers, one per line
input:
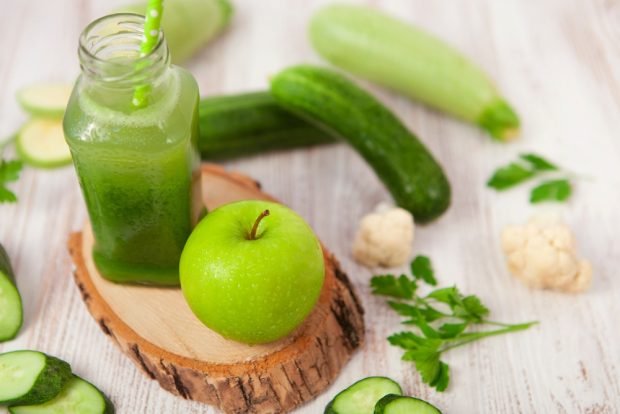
(41, 143)
(46, 100)
(361, 397)
(31, 377)
(397, 404)
(11, 311)
(78, 397)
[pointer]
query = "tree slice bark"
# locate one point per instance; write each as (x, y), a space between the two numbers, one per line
(156, 329)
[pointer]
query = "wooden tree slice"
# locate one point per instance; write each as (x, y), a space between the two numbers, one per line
(156, 328)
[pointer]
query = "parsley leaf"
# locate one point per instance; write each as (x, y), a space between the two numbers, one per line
(553, 190)
(509, 176)
(529, 166)
(433, 329)
(422, 269)
(389, 285)
(9, 172)
(538, 162)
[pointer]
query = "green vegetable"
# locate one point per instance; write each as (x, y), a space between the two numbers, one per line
(78, 397)
(251, 123)
(9, 172)
(421, 268)
(392, 53)
(442, 320)
(397, 404)
(401, 161)
(41, 143)
(11, 310)
(538, 163)
(189, 24)
(45, 99)
(361, 397)
(509, 176)
(554, 190)
(31, 377)
(527, 167)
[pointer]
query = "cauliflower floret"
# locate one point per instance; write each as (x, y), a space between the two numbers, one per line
(384, 237)
(542, 254)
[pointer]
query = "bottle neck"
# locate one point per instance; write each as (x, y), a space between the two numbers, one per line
(110, 57)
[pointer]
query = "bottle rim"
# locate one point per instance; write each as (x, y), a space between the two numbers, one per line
(120, 35)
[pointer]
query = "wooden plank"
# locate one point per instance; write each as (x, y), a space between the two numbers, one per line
(556, 60)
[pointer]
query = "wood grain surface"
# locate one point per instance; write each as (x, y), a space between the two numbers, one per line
(558, 61)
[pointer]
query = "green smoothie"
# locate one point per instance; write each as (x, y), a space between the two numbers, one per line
(135, 166)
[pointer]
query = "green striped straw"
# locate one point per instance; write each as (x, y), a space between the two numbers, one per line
(152, 24)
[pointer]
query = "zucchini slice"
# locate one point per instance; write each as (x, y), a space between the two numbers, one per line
(31, 377)
(45, 99)
(41, 143)
(78, 397)
(11, 311)
(397, 404)
(361, 397)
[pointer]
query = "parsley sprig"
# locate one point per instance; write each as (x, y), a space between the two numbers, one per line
(9, 172)
(441, 320)
(527, 167)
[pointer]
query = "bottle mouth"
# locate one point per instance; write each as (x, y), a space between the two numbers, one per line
(109, 50)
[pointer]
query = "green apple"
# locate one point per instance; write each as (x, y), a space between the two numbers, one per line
(252, 271)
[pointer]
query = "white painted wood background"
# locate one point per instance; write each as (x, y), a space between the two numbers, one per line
(557, 61)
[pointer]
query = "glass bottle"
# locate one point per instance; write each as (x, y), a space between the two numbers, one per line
(136, 166)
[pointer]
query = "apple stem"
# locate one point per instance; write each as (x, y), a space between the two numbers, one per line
(256, 223)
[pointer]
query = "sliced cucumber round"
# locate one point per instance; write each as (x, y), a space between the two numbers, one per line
(31, 377)
(41, 143)
(361, 397)
(78, 397)
(11, 311)
(397, 404)
(46, 100)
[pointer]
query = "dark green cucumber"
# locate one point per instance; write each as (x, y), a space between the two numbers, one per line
(78, 397)
(361, 397)
(402, 162)
(245, 124)
(11, 311)
(31, 377)
(397, 404)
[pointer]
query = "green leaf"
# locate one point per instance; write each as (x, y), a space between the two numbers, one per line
(442, 379)
(7, 196)
(404, 309)
(406, 340)
(389, 285)
(428, 314)
(427, 364)
(451, 330)
(473, 305)
(509, 176)
(538, 162)
(9, 170)
(428, 331)
(447, 295)
(422, 269)
(554, 190)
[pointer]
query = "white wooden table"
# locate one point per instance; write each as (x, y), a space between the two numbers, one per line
(558, 61)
